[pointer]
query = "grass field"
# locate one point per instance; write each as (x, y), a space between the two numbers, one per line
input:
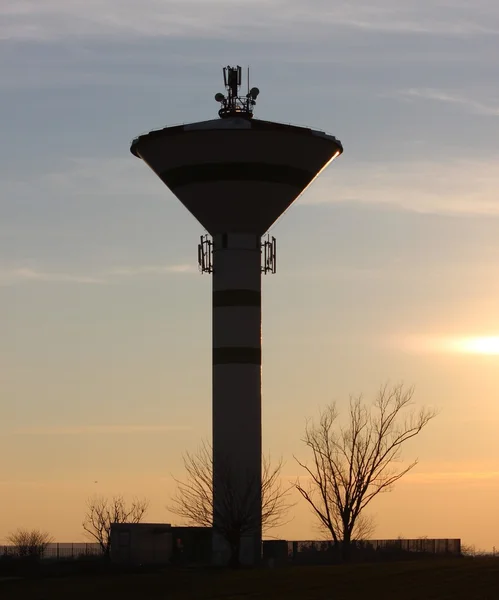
(456, 579)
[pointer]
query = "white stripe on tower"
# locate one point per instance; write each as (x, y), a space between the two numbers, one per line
(237, 433)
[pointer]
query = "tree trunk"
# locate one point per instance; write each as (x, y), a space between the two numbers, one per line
(346, 547)
(235, 546)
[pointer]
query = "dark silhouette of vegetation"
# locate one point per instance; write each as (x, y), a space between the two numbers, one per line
(353, 463)
(193, 500)
(29, 542)
(102, 512)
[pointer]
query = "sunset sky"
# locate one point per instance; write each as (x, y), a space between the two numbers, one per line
(388, 267)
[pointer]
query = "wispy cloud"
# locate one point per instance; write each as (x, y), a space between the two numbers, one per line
(56, 19)
(11, 483)
(16, 276)
(52, 19)
(451, 186)
(420, 344)
(457, 476)
(24, 275)
(154, 270)
(335, 272)
(440, 471)
(110, 175)
(80, 177)
(98, 429)
(474, 106)
(460, 186)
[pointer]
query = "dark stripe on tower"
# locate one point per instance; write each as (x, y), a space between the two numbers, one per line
(236, 354)
(175, 178)
(237, 298)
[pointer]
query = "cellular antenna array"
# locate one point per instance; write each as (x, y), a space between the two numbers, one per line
(233, 104)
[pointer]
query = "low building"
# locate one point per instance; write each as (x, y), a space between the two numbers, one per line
(192, 545)
(141, 543)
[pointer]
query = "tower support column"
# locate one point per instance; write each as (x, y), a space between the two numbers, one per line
(237, 431)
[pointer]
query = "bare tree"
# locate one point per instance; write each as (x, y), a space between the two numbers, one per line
(352, 464)
(364, 528)
(471, 551)
(28, 542)
(193, 499)
(102, 512)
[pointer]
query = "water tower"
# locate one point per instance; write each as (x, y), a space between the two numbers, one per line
(237, 175)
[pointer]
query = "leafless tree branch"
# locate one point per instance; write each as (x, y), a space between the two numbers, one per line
(234, 516)
(102, 512)
(30, 542)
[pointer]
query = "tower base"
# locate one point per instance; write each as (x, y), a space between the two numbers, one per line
(249, 551)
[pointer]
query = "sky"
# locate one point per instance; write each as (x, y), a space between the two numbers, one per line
(388, 265)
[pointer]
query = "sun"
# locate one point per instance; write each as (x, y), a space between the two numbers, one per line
(479, 345)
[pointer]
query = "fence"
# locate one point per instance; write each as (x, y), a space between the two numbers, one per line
(61, 550)
(430, 546)
(312, 551)
(297, 551)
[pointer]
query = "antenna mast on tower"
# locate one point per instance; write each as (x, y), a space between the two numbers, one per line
(233, 104)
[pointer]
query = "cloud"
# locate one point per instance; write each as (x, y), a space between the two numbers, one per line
(474, 106)
(446, 471)
(24, 275)
(82, 177)
(455, 187)
(15, 276)
(464, 185)
(338, 273)
(55, 19)
(45, 20)
(109, 176)
(11, 483)
(98, 429)
(420, 344)
(456, 476)
(154, 270)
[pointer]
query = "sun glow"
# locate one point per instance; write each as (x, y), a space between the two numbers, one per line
(486, 345)
(479, 345)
